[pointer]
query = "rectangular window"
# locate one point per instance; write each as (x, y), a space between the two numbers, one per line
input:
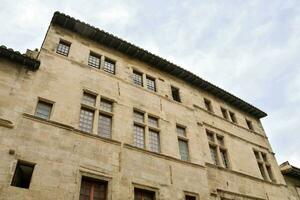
(180, 131)
(264, 166)
(139, 136)
(208, 105)
(86, 120)
(138, 116)
(104, 126)
(154, 141)
(43, 109)
(175, 94)
(210, 136)
(262, 170)
(152, 121)
(93, 190)
(22, 175)
(183, 149)
(214, 155)
(140, 194)
(94, 60)
(151, 83)
(220, 140)
(224, 158)
(249, 124)
(109, 66)
(89, 99)
(224, 113)
(63, 48)
(232, 117)
(106, 105)
(189, 197)
(269, 170)
(137, 78)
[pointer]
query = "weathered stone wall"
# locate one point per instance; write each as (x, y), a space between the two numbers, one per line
(63, 154)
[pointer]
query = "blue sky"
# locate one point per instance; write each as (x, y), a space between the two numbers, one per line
(251, 48)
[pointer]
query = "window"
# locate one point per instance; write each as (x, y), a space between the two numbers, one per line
(89, 99)
(224, 113)
(264, 166)
(151, 83)
(140, 194)
(63, 48)
(208, 105)
(218, 151)
(106, 105)
(94, 60)
(137, 78)
(86, 120)
(183, 149)
(22, 175)
(152, 121)
(43, 109)
(180, 131)
(189, 197)
(139, 136)
(175, 94)
(249, 124)
(232, 117)
(138, 116)
(104, 126)
(93, 190)
(109, 66)
(154, 141)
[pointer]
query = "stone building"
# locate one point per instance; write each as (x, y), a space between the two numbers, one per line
(91, 116)
(291, 176)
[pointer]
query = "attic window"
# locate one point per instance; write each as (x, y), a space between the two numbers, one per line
(22, 175)
(175, 94)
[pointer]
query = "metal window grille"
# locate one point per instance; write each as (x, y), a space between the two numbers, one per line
(151, 84)
(183, 150)
(43, 110)
(63, 48)
(139, 136)
(154, 141)
(104, 126)
(94, 60)
(138, 117)
(109, 66)
(86, 120)
(137, 78)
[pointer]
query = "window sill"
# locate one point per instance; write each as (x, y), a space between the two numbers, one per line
(6, 123)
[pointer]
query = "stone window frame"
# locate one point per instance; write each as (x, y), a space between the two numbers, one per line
(147, 128)
(17, 164)
(94, 175)
(262, 159)
(102, 60)
(45, 101)
(183, 138)
(175, 93)
(249, 124)
(65, 43)
(232, 117)
(208, 105)
(145, 188)
(98, 111)
(96, 55)
(214, 142)
(144, 80)
(224, 112)
(191, 194)
(149, 87)
(111, 62)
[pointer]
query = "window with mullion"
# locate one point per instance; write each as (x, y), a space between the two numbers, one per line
(214, 155)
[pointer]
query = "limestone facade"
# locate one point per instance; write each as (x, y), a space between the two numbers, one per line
(62, 153)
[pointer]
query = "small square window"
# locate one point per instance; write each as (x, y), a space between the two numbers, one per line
(94, 60)
(190, 197)
(106, 105)
(109, 66)
(43, 109)
(224, 113)
(22, 175)
(152, 121)
(208, 105)
(249, 124)
(138, 117)
(175, 94)
(137, 78)
(151, 83)
(232, 117)
(181, 131)
(89, 99)
(63, 48)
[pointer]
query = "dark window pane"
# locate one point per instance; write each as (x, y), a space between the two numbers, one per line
(208, 105)
(232, 117)
(95, 190)
(224, 113)
(63, 48)
(188, 197)
(224, 158)
(140, 194)
(43, 110)
(175, 94)
(249, 124)
(22, 175)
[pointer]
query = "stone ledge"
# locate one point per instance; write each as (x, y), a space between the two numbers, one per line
(239, 194)
(129, 146)
(6, 123)
(209, 165)
(70, 128)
